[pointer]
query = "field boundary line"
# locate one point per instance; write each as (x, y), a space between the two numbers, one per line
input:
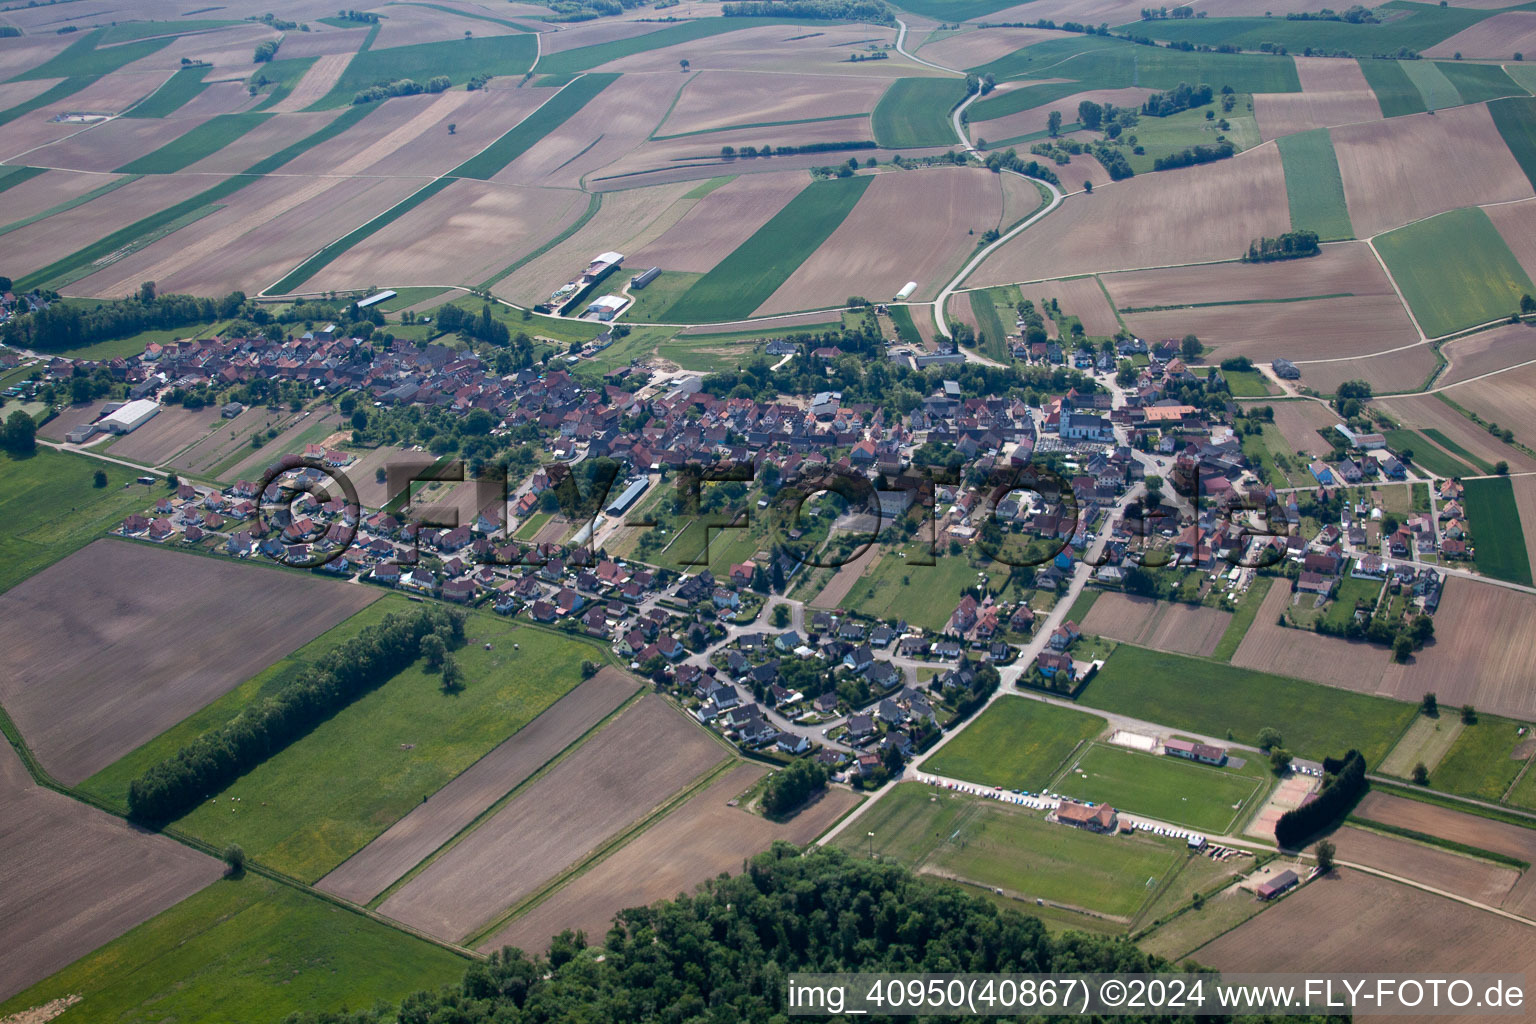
(1439, 843)
(500, 802)
(605, 850)
(1393, 787)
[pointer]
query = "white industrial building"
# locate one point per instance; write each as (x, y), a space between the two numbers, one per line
(129, 417)
(906, 291)
(606, 307)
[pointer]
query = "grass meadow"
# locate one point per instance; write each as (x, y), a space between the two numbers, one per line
(312, 805)
(1516, 121)
(245, 950)
(1479, 763)
(914, 112)
(1313, 186)
(170, 97)
(1218, 700)
(1017, 743)
(185, 150)
(1497, 536)
(1483, 283)
(1166, 788)
(51, 507)
(754, 270)
(1394, 90)
(459, 59)
(923, 595)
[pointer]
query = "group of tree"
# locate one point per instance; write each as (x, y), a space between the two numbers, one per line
(1009, 160)
(1293, 245)
(1344, 783)
(873, 11)
(1355, 15)
(335, 679)
(586, 10)
(723, 953)
(788, 790)
(18, 436)
(1182, 97)
(1177, 13)
(362, 17)
(1193, 155)
(401, 87)
(485, 327)
(266, 50)
(731, 152)
(72, 324)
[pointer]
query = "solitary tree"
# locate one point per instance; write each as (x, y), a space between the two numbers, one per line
(1501, 468)
(1053, 123)
(453, 128)
(683, 63)
(1269, 738)
(434, 650)
(234, 859)
(1429, 706)
(1279, 760)
(1421, 774)
(100, 479)
(1190, 347)
(453, 676)
(1088, 186)
(781, 616)
(1324, 851)
(1402, 648)
(1468, 715)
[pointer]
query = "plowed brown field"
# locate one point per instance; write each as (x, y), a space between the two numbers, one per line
(1163, 625)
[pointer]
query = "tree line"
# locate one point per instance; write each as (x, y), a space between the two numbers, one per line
(724, 952)
(874, 11)
(337, 678)
(1293, 245)
(1343, 786)
(1182, 97)
(731, 152)
(1194, 155)
(67, 324)
(401, 87)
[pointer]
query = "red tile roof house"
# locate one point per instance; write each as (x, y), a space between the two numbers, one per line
(1095, 819)
(460, 590)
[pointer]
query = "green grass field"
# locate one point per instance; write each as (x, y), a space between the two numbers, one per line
(183, 86)
(82, 58)
(1439, 437)
(12, 175)
(555, 111)
(906, 328)
(1479, 762)
(1516, 121)
(1351, 590)
(1483, 283)
(1247, 383)
(378, 757)
(245, 950)
(185, 150)
(129, 31)
(992, 338)
(51, 507)
(914, 112)
(1026, 97)
(1425, 454)
(1242, 617)
(923, 595)
(1478, 83)
(1161, 136)
(1414, 26)
(276, 79)
(459, 59)
(1213, 699)
(1437, 90)
(1497, 535)
(1394, 90)
(1002, 845)
(1017, 743)
(1101, 62)
(749, 275)
(652, 301)
(1166, 788)
(953, 10)
(1313, 186)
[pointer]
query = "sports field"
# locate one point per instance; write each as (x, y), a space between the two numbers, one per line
(1217, 700)
(51, 506)
(1497, 536)
(1166, 788)
(379, 756)
(1313, 185)
(1516, 120)
(914, 112)
(244, 950)
(1017, 743)
(459, 59)
(1000, 845)
(1483, 283)
(1394, 90)
(749, 275)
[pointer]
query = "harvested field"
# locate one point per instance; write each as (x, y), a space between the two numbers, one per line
(382, 132)
(38, 245)
(1456, 826)
(1340, 268)
(1333, 92)
(480, 119)
(1498, 37)
(698, 841)
(1517, 224)
(767, 327)
(262, 141)
(607, 128)
(1480, 880)
(628, 220)
(720, 221)
(845, 579)
(908, 226)
(1299, 422)
(699, 155)
(1426, 741)
(1487, 352)
(1163, 625)
(1314, 329)
(466, 233)
(1333, 661)
(289, 441)
(227, 439)
(218, 98)
(321, 41)
(1080, 297)
(70, 417)
(1412, 167)
(591, 33)
(772, 48)
(76, 877)
(1402, 370)
(720, 99)
(1360, 923)
(317, 82)
(636, 764)
(974, 47)
(409, 24)
(413, 838)
(132, 668)
(1027, 122)
(112, 144)
(1485, 643)
(173, 429)
(262, 231)
(1500, 399)
(1525, 501)
(362, 473)
(1209, 212)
